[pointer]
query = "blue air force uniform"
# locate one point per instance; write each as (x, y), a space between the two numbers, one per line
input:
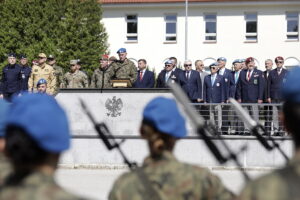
(162, 80)
(11, 81)
(214, 93)
(25, 74)
(190, 82)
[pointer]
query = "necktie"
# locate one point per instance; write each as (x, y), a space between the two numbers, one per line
(212, 80)
(187, 75)
(278, 71)
(167, 77)
(141, 75)
(236, 77)
(248, 75)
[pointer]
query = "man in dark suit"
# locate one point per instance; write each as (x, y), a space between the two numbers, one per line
(169, 74)
(267, 109)
(145, 78)
(227, 75)
(190, 82)
(250, 87)
(275, 81)
(214, 92)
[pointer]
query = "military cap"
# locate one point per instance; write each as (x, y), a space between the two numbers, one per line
(42, 55)
(23, 56)
(4, 106)
(73, 62)
(43, 120)
(113, 58)
(279, 58)
(122, 50)
(291, 86)
(222, 59)
(41, 81)
(214, 64)
(164, 114)
(250, 59)
(51, 57)
(237, 61)
(104, 57)
(169, 62)
(11, 55)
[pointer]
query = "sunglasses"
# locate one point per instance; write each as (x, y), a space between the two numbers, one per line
(279, 62)
(188, 65)
(213, 67)
(41, 57)
(168, 65)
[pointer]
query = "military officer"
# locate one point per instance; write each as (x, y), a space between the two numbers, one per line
(4, 165)
(58, 72)
(34, 148)
(41, 86)
(25, 72)
(162, 176)
(283, 183)
(124, 68)
(75, 78)
(102, 75)
(11, 79)
(45, 71)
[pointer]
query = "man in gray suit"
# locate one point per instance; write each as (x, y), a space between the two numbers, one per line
(204, 110)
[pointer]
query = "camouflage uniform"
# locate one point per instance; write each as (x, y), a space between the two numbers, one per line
(35, 186)
(279, 185)
(46, 72)
(101, 78)
(77, 79)
(172, 180)
(126, 69)
(59, 74)
(4, 168)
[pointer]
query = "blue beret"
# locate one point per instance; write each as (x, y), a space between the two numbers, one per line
(168, 62)
(122, 50)
(4, 106)
(11, 55)
(165, 116)
(43, 119)
(214, 64)
(291, 86)
(222, 59)
(41, 81)
(237, 61)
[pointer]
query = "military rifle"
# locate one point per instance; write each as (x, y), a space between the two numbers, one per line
(256, 128)
(204, 130)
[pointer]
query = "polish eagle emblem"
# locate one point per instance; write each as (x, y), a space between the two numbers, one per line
(114, 106)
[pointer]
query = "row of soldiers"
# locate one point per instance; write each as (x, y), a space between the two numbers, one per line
(33, 151)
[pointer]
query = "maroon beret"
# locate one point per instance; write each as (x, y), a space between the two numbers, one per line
(279, 58)
(250, 59)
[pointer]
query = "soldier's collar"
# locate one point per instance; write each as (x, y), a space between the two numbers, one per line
(166, 156)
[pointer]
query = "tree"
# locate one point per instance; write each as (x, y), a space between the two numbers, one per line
(68, 29)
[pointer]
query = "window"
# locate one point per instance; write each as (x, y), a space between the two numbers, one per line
(210, 27)
(251, 26)
(132, 23)
(292, 21)
(171, 26)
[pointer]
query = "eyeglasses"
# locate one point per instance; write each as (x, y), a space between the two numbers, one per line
(188, 65)
(168, 65)
(279, 62)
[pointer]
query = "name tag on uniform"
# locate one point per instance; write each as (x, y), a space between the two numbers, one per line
(255, 81)
(218, 84)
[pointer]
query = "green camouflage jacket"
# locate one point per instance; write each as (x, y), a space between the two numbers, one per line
(172, 180)
(282, 184)
(36, 186)
(77, 79)
(59, 73)
(99, 76)
(127, 69)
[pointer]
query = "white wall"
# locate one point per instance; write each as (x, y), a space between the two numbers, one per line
(230, 32)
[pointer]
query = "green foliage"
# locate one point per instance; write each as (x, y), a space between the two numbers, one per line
(67, 29)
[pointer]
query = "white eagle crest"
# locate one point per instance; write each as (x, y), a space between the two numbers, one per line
(114, 106)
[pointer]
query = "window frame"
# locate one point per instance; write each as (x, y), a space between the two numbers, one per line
(128, 35)
(291, 33)
(170, 34)
(210, 34)
(249, 34)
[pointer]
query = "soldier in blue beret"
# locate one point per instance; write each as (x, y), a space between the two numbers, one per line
(37, 132)
(161, 127)
(41, 86)
(25, 72)
(282, 183)
(11, 78)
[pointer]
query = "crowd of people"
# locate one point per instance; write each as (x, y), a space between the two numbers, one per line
(29, 153)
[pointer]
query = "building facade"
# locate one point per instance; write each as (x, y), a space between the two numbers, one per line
(157, 29)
